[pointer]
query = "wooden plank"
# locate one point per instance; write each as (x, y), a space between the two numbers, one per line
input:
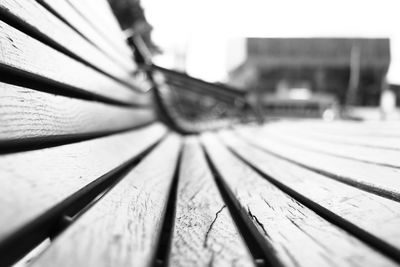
(122, 228)
(109, 34)
(360, 210)
(64, 10)
(204, 233)
(298, 236)
(33, 182)
(378, 179)
(391, 143)
(35, 17)
(30, 114)
(366, 154)
(372, 129)
(23, 53)
(107, 18)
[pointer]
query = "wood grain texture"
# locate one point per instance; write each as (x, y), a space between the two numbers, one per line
(33, 182)
(34, 16)
(26, 113)
(204, 233)
(68, 13)
(365, 154)
(299, 236)
(21, 52)
(359, 208)
(370, 177)
(122, 228)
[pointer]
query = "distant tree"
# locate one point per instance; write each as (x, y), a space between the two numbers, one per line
(131, 17)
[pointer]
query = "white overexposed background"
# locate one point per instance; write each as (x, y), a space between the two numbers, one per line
(210, 32)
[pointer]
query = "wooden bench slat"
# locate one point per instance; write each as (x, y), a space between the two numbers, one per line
(359, 208)
(29, 114)
(106, 20)
(33, 182)
(391, 143)
(123, 227)
(370, 155)
(68, 13)
(373, 178)
(371, 129)
(27, 54)
(35, 16)
(298, 235)
(204, 233)
(112, 35)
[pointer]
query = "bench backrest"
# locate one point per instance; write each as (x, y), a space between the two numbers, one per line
(70, 112)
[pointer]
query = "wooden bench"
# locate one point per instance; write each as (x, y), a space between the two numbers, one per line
(195, 105)
(90, 177)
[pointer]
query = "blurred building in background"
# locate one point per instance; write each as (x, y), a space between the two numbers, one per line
(350, 70)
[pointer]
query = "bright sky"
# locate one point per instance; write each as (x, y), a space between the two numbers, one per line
(203, 27)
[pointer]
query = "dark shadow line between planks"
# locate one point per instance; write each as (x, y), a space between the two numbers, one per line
(349, 181)
(34, 143)
(36, 34)
(26, 79)
(262, 252)
(369, 239)
(60, 17)
(53, 221)
(163, 247)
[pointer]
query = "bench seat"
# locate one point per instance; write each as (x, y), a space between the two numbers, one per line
(89, 176)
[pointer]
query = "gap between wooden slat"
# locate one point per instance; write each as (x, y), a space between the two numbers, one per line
(34, 33)
(369, 239)
(262, 252)
(104, 35)
(162, 251)
(57, 140)
(105, 48)
(286, 139)
(25, 79)
(378, 191)
(86, 12)
(52, 222)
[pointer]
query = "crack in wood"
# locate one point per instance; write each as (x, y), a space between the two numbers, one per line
(255, 219)
(211, 225)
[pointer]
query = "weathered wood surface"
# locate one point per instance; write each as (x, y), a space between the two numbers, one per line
(204, 233)
(107, 32)
(32, 182)
(27, 114)
(34, 16)
(336, 137)
(122, 228)
(298, 236)
(68, 13)
(366, 154)
(23, 53)
(360, 209)
(374, 178)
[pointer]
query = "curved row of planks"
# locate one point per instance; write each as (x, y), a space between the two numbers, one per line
(235, 202)
(40, 47)
(73, 118)
(84, 164)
